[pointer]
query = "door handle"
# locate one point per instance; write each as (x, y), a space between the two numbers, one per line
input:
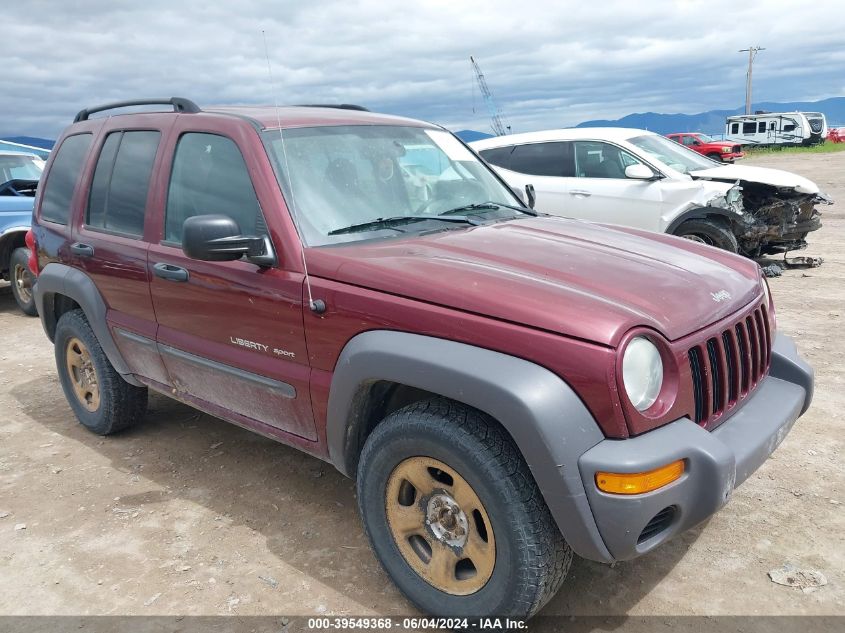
(82, 250)
(580, 192)
(170, 272)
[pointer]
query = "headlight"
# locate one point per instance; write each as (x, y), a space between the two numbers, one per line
(726, 150)
(642, 372)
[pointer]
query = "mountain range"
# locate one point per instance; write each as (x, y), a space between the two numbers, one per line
(710, 122)
(713, 121)
(33, 141)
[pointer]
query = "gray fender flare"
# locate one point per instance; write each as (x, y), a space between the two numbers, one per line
(545, 418)
(7, 238)
(57, 278)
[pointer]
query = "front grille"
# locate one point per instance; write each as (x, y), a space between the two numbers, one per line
(658, 523)
(726, 368)
(736, 149)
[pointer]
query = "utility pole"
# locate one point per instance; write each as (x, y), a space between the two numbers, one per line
(752, 53)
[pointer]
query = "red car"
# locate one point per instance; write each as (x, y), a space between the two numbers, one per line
(720, 151)
(836, 135)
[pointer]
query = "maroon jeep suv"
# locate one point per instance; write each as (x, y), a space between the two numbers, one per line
(506, 387)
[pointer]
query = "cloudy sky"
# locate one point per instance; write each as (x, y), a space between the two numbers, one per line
(549, 64)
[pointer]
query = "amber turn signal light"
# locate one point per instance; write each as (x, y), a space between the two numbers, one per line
(638, 483)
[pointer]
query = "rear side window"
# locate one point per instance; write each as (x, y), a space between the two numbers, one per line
(543, 159)
(209, 177)
(121, 181)
(61, 181)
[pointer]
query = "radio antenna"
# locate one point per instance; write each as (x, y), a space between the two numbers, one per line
(317, 306)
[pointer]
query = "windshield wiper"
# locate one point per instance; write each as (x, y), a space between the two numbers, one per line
(390, 223)
(492, 206)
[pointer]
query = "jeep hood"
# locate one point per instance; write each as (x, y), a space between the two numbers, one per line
(763, 175)
(575, 278)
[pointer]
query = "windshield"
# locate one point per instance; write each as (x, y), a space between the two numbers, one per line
(671, 154)
(338, 177)
(704, 138)
(20, 167)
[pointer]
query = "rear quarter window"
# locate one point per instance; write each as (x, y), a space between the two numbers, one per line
(62, 178)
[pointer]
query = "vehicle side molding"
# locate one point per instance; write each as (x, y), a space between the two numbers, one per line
(543, 415)
(58, 279)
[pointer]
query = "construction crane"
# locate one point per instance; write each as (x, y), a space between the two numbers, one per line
(495, 112)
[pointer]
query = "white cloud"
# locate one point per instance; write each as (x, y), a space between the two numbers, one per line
(548, 64)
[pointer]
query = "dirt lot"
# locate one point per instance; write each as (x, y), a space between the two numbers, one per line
(189, 515)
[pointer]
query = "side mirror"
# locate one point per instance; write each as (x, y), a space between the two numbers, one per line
(519, 193)
(531, 195)
(639, 172)
(217, 238)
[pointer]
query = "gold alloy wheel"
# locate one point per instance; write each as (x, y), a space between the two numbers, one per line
(440, 526)
(23, 283)
(83, 376)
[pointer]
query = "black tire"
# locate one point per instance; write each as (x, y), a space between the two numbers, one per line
(531, 556)
(715, 156)
(19, 272)
(120, 405)
(712, 232)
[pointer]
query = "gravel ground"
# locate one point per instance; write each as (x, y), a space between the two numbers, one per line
(190, 515)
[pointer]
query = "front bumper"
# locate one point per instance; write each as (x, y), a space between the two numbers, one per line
(716, 462)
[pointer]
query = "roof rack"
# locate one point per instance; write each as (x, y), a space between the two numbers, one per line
(180, 104)
(339, 106)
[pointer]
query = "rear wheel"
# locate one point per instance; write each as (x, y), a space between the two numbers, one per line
(21, 280)
(712, 232)
(101, 399)
(454, 515)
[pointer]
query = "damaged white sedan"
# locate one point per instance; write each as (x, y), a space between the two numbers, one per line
(641, 179)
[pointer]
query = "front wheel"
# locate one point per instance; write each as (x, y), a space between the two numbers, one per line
(21, 279)
(707, 231)
(716, 157)
(454, 515)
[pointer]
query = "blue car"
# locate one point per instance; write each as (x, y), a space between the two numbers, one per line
(19, 174)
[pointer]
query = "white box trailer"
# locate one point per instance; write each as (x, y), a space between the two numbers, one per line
(776, 128)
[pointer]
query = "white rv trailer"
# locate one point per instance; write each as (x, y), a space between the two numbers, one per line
(776, 128)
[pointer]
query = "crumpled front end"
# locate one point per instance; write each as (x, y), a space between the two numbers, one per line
(776, 220)
(778, 208)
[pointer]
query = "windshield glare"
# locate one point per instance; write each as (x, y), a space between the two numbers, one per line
(20, 167)
(671, 154)
(704, 138)
(337, 176)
